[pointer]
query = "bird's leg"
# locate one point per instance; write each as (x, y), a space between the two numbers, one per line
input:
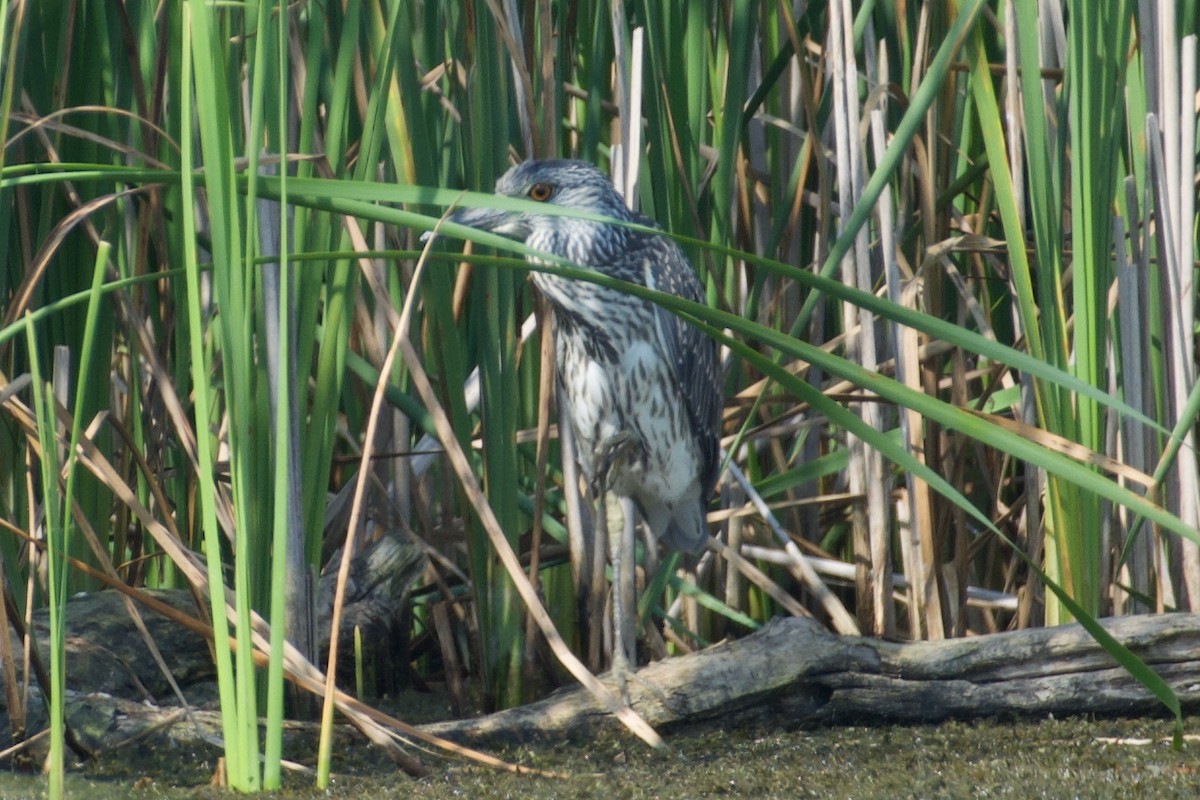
(620, 535)
(626, 630)
(624, 566)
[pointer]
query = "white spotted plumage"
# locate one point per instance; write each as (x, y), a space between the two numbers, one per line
(627, 368)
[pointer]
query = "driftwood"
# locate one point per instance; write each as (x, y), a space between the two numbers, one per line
(115, 691)
(793, 672)
(377, 591)
(789, 673)
(105, 653)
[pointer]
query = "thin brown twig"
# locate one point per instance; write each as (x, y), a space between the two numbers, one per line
(474, 494)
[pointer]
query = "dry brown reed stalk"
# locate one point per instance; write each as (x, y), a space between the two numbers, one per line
(297, 669)
(462, 468)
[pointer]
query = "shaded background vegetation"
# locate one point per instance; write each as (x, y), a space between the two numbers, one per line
(948, 249)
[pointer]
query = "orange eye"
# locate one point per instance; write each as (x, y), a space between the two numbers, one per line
(541, 192)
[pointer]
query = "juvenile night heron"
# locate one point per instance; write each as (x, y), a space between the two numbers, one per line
(639, 385)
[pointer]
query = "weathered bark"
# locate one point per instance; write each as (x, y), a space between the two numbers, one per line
(795, 672)
(116, 691)
(106, 654)
(789, 673)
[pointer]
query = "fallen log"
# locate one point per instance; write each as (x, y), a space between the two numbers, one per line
(793, 671)
(117, 693)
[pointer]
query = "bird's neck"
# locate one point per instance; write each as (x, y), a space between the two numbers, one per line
(582, 242)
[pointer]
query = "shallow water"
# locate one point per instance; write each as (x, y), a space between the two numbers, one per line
(1084, 758)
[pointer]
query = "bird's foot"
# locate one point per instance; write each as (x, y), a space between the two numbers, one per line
(623, 674)
(608, 453)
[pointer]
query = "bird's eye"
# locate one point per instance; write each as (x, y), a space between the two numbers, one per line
(541, 192)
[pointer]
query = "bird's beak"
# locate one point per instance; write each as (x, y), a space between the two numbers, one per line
(484, 219)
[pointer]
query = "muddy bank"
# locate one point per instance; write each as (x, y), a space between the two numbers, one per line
(1083, 758)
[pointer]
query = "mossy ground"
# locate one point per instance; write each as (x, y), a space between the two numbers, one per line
(1072, 758)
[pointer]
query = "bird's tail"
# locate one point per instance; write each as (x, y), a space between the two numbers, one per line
(687, 530)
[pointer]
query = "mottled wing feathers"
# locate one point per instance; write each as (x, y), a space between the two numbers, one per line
(691, 353)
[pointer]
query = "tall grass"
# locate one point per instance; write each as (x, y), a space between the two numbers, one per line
(992, 405)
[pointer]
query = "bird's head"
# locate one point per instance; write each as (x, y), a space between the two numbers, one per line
(566, 184)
